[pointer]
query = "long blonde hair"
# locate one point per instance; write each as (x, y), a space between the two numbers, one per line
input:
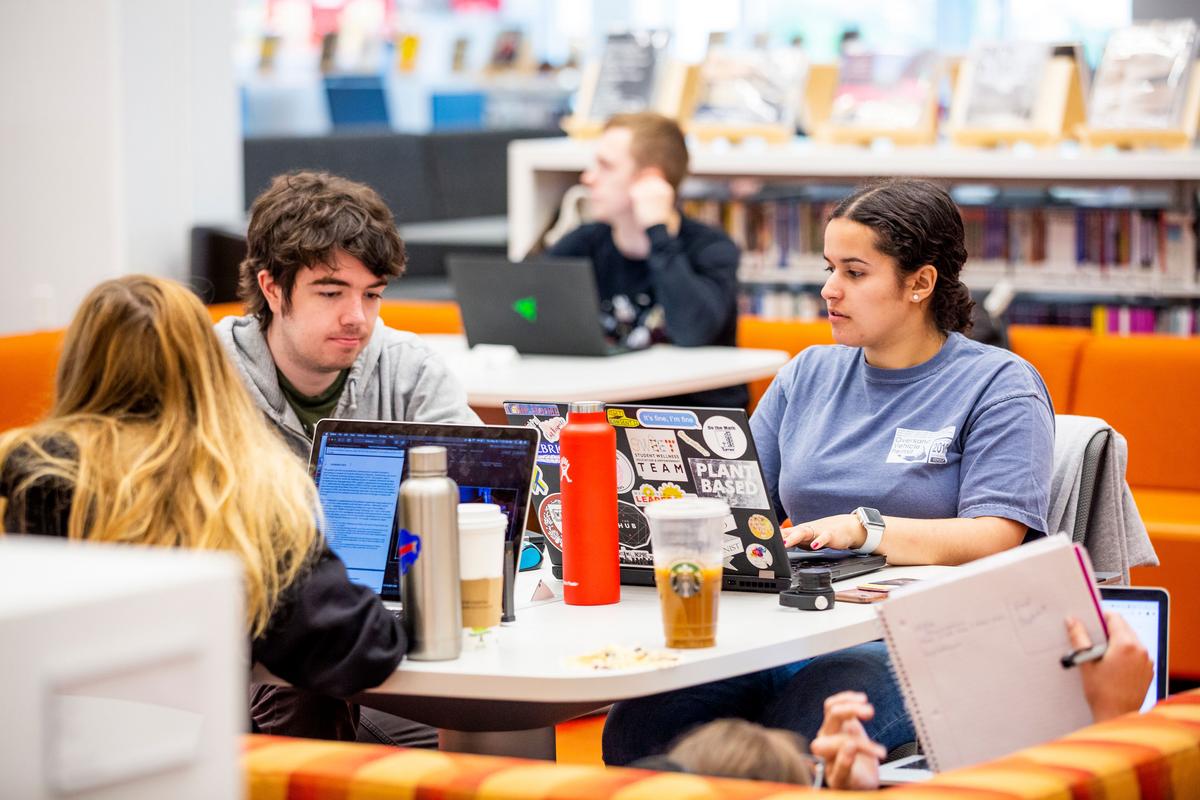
(160, 444)
(735, 748)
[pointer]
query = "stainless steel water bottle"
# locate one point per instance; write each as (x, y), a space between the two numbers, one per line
(430, 587)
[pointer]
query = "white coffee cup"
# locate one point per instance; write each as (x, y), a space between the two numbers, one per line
(481, 528)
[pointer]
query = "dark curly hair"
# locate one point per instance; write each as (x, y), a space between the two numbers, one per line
(302, 220)
(917, 223)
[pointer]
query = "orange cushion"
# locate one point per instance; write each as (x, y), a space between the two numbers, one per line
(421, 316)
(218, 311)
(788, 335)
(1054, 351)
(27, 365)
(1173, 520)
(1146, 387)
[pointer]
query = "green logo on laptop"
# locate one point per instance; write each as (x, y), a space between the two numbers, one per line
(527, 308)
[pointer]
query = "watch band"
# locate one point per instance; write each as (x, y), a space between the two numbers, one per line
(874, 530)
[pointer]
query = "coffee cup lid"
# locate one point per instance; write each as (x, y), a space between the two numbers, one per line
(687, 508)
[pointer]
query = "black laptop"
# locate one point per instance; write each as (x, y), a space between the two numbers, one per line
(665, 452)
(549, 306)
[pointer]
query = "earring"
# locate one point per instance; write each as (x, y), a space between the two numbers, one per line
(916, 298)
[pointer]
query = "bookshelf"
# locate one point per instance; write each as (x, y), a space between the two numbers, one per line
(540, 171)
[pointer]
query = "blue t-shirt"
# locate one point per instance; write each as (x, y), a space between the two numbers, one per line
(968, 433)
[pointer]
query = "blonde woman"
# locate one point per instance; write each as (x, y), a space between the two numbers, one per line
(153, 440)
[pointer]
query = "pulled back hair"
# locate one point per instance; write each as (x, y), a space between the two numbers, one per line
(735, 748)
(657, 142)
(917, 223)
(302, 220)
(158, 442)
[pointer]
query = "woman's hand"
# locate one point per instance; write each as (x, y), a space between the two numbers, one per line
(841, 532)
(851, 758)
(1117, 683)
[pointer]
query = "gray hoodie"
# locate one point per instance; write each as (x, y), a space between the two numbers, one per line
(396, 377)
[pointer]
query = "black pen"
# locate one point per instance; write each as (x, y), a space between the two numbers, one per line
(1083, 656)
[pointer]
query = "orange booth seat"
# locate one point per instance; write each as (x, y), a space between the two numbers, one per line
(1151, 755)
(27, 365)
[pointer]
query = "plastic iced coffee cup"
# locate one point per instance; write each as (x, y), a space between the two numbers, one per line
(685, 535)
(481, 528)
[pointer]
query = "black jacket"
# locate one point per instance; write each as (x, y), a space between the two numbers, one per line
(326, 635)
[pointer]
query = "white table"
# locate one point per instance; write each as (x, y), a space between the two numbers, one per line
(491, 378)
(506, 698)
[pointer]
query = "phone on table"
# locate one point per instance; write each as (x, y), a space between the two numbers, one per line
(859, 596)
(883, 587)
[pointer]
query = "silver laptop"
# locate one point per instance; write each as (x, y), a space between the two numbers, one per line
(1147, 611)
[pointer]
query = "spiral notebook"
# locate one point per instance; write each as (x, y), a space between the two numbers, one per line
(977, 654)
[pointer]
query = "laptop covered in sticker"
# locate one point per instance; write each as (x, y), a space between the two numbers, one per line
(670, 452)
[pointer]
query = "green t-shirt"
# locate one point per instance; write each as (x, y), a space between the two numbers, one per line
(312, 409)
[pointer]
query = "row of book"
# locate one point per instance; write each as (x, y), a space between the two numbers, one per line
(1181, 319)
(785, 233)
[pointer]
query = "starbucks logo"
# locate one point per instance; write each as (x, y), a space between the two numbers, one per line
(685, 578)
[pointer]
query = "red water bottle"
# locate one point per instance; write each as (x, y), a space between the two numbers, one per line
(588, 459)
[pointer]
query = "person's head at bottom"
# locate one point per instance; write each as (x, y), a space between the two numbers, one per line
(735, 748)
(156, 442)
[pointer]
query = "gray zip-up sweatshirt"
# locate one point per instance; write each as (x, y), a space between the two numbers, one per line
(396, 377)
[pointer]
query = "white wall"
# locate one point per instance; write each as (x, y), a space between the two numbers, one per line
(118, 130)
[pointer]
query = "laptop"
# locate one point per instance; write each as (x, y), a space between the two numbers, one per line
(358, 466)
(665, 452)
(1147, 610)
(548, 307)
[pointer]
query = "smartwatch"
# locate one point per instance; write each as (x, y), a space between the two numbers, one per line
(872, 520)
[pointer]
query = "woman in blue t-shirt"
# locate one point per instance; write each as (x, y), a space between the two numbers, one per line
(905, 438)
(944, 443)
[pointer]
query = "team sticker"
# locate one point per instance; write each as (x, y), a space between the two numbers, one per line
(656, 454)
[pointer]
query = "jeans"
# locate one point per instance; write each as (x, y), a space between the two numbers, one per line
(791, 697)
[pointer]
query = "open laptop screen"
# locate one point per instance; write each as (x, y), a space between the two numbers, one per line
(1146, 612)
(358, 466)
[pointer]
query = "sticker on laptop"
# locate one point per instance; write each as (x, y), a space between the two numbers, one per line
(699, 448)
(760, 526)
(732, 547)
(550, 515)
(656, 455)
(633, 531)
(540, 487)
(616, 416)
(625, 476)
(759, 556)
(738, 483)
(647, 494)
(920, 447)
(729, 523)
(531, 409)
(549, 428)
(668, 418)
(547, 452)
(725, 437)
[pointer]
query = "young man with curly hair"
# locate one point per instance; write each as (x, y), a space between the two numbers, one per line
(320, 251)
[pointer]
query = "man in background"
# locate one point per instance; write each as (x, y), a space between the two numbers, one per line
(661, 276)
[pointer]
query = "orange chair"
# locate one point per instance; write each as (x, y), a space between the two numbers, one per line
(776, 335)
(1055, 352)
(27, 365)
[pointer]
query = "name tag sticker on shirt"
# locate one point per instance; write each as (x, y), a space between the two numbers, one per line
(921, 447)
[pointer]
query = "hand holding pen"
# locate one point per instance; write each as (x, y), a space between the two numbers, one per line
(1116, 676)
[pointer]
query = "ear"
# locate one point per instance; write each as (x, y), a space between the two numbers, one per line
(650, 172)
(271, 290)
(922, 281)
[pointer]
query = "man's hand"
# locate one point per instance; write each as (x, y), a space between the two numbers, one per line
(1117, 683)
(653, 200)
(851, 758)
(841, 532)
